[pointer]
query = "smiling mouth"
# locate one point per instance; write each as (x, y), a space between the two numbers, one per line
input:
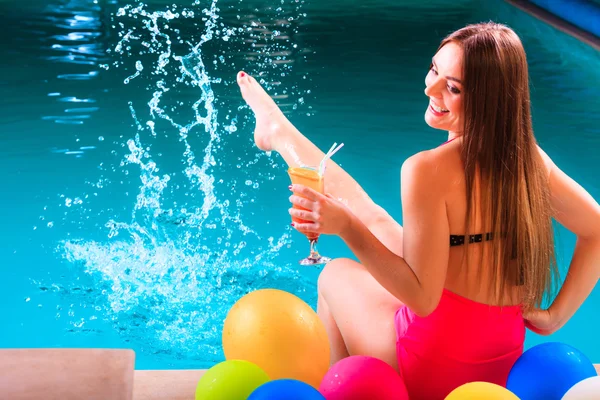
(436, 110)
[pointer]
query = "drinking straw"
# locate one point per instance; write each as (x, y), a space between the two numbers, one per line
(321, 164)
(329, 154)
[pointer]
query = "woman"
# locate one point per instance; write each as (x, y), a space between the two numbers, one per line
(442, 309)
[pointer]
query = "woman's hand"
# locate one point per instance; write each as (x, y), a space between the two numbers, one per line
(323, 213)
(540, 321)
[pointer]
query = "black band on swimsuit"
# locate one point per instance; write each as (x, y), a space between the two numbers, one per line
(457, 240)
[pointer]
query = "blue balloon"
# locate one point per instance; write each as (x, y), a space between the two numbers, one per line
(547, 371)
(285, 389)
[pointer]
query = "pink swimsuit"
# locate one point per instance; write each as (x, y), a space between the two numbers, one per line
(461, 341)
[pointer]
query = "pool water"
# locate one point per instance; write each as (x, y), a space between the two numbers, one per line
(136, 208)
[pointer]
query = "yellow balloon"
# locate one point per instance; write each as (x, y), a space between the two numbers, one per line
(280, 333)
(480, 391)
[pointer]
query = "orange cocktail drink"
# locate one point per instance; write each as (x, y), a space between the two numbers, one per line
(309, 177)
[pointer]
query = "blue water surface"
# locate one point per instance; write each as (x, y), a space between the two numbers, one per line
(136, 208)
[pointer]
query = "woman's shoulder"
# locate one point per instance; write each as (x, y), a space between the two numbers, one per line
(437, 161)
(444, 161)
(433, 167)
(548, 163)
(572, 205)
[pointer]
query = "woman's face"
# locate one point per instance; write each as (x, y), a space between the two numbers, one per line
(444, 89)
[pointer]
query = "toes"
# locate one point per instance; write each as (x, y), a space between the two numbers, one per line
(242, 78)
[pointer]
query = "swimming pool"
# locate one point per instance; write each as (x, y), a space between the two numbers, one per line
(119, 233)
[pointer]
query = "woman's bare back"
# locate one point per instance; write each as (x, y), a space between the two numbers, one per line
(470, 279)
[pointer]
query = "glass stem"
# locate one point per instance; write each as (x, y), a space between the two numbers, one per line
(314, 254)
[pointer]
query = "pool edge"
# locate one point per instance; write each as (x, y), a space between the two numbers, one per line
(557, 22)
(177, 384)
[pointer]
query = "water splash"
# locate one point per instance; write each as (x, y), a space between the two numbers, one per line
(172, 270)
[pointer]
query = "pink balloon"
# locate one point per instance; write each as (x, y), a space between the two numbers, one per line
(362, 378)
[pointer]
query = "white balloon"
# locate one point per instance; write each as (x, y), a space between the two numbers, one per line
(587, 389)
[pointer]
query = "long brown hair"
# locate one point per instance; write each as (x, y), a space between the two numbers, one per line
(499, 145)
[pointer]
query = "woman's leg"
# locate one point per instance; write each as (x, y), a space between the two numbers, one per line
(358, 312)
(275, 132)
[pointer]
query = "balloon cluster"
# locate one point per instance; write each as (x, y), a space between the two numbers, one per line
(276, 348)
(549, 371)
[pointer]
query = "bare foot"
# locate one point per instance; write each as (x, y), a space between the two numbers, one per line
(269, 118)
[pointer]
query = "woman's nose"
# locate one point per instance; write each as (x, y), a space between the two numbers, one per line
(432, 88)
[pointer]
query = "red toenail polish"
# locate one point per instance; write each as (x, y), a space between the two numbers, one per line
(242, 74)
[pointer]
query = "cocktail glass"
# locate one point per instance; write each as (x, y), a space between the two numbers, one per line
(309, 177)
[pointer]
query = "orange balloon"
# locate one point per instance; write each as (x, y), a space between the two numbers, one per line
(280, 333)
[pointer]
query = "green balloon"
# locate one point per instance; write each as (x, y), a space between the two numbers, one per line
(230, 380)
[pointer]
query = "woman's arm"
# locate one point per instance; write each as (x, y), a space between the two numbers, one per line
(579, 283)
(417, 278)
(577, 211)
(387, 230)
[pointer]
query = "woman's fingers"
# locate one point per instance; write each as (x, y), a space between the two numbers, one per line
(305, 192)
(302, 214)
(302, 202)
(307, 227)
